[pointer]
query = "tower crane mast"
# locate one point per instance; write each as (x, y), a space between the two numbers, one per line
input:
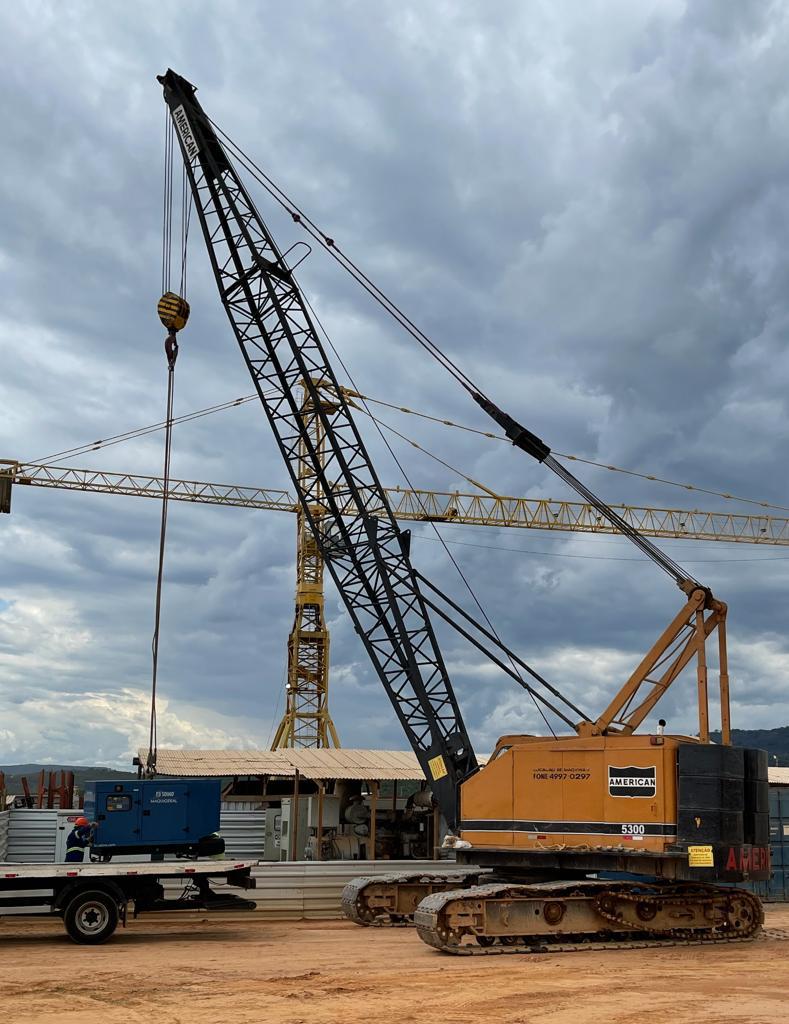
(307, 721)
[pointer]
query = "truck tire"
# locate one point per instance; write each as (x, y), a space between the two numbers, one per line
(91, 917)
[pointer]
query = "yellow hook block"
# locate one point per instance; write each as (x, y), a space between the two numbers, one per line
(173, 311)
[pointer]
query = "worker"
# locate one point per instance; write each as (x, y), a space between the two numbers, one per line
(78, 840)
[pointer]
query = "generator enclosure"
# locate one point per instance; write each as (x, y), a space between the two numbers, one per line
(155, 816)
(308, 814)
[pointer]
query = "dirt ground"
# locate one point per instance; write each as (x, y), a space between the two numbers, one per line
(244, 971)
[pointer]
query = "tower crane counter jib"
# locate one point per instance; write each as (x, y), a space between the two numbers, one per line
(679, 813)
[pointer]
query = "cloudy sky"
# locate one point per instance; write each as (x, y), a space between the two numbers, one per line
(587, 205)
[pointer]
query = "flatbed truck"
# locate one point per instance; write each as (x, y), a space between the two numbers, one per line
(93, 898)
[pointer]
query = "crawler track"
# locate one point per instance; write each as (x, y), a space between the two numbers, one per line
(561, 917)
(393, 899)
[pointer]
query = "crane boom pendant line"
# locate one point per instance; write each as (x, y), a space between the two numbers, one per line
(365, 551)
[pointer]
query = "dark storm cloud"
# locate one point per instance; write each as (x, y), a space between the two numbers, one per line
(585, 204)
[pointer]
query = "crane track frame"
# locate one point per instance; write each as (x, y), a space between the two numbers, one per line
(570, 915)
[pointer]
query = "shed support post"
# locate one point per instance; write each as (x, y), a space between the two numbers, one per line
(294, 817)
(373, 811)
(319, 855)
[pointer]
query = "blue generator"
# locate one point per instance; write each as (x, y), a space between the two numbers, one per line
(156, 816)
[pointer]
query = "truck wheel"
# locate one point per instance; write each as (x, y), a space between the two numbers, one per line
(91, 917)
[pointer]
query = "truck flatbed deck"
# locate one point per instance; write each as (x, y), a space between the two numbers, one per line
(93, 898)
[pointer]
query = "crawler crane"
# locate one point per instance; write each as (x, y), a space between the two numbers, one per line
(548, 817)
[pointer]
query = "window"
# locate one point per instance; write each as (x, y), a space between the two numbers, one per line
(118, 803)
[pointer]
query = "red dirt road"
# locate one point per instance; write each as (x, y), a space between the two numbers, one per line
(247, 971)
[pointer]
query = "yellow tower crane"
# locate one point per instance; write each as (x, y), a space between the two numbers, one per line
(306, 721)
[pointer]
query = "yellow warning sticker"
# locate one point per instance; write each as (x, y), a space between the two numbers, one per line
(437, 767)
(700, 857)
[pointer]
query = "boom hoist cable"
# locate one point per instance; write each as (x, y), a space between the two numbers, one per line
(690, 623)
(513, 430)
(173, 311)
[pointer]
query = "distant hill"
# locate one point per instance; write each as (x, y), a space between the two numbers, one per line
(774, 741)
(82, 774)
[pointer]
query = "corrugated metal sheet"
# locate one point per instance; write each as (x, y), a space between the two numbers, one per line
(778, 886)
(380, 765)
(778, 776)
(244, 833)
(32, 835)
(293, 891)
(5, 817)
(220, 763)
(311, 890)
(306, 890)
(253, 804)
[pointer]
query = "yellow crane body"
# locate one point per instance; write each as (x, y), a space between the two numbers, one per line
(577, 792)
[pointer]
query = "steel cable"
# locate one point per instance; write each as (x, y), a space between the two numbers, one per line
(448, 553)
(534, 447)
(168, 435)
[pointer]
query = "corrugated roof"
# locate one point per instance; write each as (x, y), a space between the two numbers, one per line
(778, 776)
(380, 765)
(356, 764)
(218, 763)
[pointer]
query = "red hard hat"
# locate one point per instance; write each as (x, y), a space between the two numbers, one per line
(82, 821)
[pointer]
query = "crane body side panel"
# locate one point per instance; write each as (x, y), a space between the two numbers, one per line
(488, 795)
(644, 796)
(577, 792)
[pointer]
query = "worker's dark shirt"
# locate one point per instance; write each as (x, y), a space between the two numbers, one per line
(78, 840)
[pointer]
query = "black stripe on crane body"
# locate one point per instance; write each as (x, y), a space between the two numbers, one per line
(364, 549)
